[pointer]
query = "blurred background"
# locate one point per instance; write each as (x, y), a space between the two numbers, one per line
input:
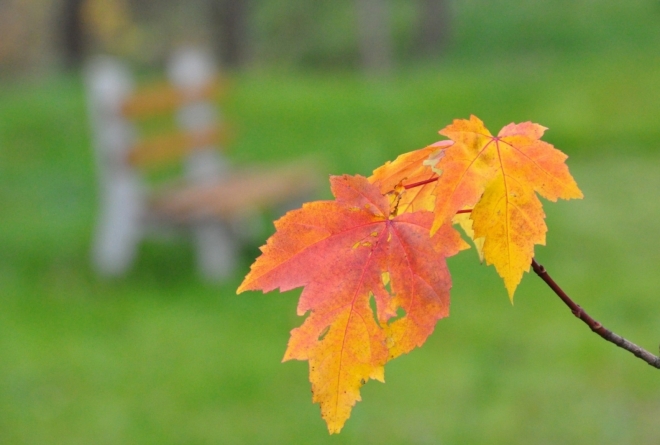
(160, 355)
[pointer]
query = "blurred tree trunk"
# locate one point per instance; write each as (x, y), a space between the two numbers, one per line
(230, 20)
(374, 35)
(434, 27)
(72, 32)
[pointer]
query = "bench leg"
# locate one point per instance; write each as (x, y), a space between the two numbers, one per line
(118, 230)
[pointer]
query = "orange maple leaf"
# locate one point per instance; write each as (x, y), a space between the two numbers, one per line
(412, 167)
(344, 252)
(498, 176)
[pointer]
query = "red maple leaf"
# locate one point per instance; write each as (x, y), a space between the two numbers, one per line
(345, 252)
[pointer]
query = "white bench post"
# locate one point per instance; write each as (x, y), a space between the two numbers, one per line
(190, 70)
(118, 228)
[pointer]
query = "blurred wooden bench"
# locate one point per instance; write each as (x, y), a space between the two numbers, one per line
(211, 198)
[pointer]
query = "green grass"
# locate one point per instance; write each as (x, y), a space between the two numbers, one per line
(160, 357)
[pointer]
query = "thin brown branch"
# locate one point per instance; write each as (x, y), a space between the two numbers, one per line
(593, 324)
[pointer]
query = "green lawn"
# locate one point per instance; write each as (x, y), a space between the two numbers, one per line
(162, 358)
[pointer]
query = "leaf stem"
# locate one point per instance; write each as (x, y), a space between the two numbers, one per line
(420, 183)
(594, 325)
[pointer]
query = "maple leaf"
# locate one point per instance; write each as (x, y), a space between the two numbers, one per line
(498, 176)
(412, 167)
(344, 252)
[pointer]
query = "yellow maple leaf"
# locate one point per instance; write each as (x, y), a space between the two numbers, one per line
(499, 176)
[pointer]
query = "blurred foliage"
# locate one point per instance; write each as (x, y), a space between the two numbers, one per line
(566, 26)
(299, 33)
(322, 34)
(111, 26)
(21, 42)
